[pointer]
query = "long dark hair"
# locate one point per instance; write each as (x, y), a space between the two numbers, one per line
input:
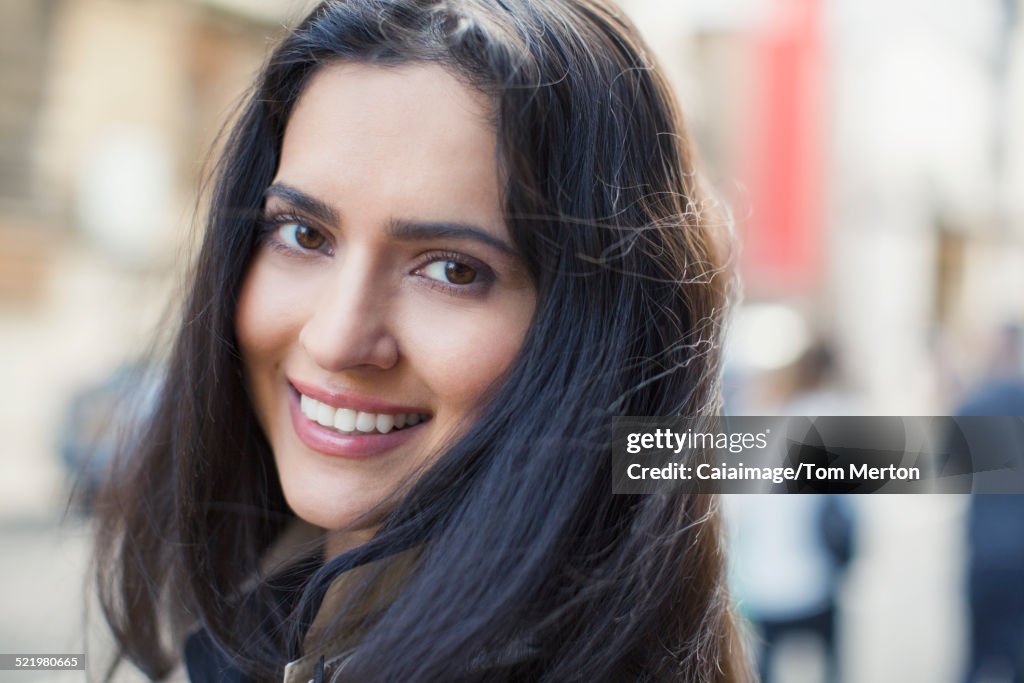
(519, 530)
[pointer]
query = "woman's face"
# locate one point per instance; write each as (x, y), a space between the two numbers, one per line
(385, 297)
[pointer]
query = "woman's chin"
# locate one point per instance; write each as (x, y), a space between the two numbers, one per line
(329, 515)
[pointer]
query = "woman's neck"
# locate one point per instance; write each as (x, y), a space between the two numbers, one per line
(338, 542)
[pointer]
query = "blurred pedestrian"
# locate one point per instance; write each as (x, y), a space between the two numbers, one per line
(995, 533)
(790, 550)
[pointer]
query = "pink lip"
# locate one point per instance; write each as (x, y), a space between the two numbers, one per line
(344, 399)
(331, 442)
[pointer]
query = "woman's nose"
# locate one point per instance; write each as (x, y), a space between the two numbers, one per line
(348, 327)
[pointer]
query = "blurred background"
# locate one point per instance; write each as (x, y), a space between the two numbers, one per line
(872, 155)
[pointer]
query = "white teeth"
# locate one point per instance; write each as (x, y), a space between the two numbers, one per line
(325, 415)
(308, 406)
(385, 423)
(347, 420)
(366, 422)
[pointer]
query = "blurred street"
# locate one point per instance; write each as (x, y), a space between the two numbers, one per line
(42, 574)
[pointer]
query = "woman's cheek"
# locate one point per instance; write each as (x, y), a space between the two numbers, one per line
(460, 350)
(270, 311)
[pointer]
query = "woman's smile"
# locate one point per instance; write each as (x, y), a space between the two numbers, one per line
(384, 299)
(350, 421)
(347, 425)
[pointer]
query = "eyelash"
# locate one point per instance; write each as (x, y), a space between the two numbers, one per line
(485, 275)
(269, 227)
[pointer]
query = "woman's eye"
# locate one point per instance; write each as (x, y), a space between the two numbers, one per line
(301, 236)
(451, 272)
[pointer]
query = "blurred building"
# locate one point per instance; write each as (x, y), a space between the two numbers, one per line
(108, 112)
(873, 155)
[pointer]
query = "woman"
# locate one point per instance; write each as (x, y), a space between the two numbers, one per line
(449, 240)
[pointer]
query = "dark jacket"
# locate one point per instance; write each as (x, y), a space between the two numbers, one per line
(206, 662)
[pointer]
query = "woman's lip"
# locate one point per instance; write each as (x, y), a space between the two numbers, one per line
(343, 399)
(332, 442)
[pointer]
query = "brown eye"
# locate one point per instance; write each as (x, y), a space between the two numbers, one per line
(302, 236)
(450, 272)
(458, 273)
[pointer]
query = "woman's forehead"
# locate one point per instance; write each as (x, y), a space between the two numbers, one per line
(412, 136)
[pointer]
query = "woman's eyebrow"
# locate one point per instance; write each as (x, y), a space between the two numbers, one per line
(415, 230)
(399, 229)
(308, 204)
